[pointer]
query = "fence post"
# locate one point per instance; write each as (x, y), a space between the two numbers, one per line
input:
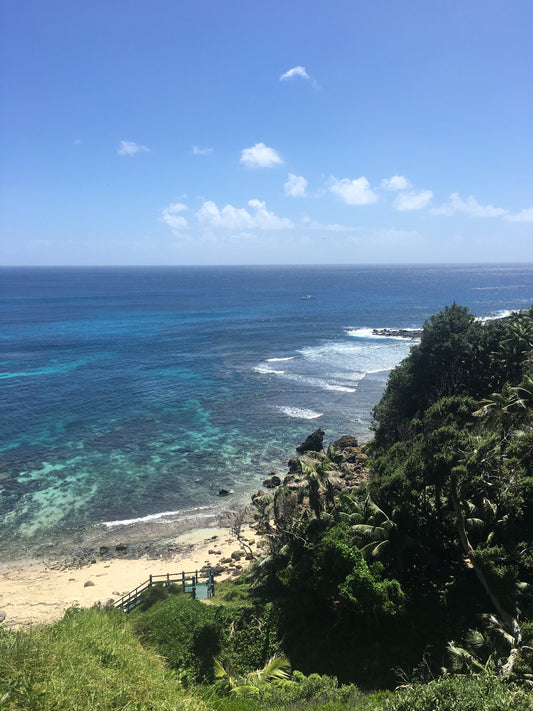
(150, 584)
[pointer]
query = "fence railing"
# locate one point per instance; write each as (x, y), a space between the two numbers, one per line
(200, 584)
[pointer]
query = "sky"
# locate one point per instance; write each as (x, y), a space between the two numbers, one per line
(254, 132)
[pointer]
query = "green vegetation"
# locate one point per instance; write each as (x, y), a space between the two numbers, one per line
(89, 660)
(408, 562)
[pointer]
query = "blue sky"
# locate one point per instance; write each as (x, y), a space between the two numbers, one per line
(248, 132)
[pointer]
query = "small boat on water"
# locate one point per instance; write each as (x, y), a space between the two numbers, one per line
(307, 297)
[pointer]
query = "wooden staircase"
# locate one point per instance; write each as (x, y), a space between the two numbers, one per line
(200, 584)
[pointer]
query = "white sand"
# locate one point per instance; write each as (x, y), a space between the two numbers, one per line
(36, 593)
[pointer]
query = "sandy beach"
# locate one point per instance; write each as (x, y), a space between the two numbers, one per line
(36, 593)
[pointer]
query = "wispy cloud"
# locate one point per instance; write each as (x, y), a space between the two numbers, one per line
(295, 186)
(397, 182)
(413, 200)
(199, 151)
(130, 148)
(353, 192)
(314, 225)
(171, 217)
(260, 156)
(470, 207)
(525, 215)
(298, 72)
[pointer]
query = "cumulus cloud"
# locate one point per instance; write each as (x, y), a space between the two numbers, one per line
(397, 182)
(525, 215)
(295, 186)
(199, 151)
(470, 207)
(413, 200)
(353, 192)
(260, 156)
(171, 217)
(130, 148)
(237, 219)
(231, 218)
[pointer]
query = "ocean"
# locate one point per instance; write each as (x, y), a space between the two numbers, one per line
(135, 394)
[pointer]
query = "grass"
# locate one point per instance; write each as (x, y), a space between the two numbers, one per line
(88, 661)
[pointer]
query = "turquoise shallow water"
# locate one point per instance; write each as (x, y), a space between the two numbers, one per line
(130, 392)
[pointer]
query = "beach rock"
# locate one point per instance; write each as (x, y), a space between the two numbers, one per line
(121, 547)
(313, 443)
(104, 550)
(224, 492)
(2, 615)
(272, 482)
(88, 584)
(410, 334)
(237, 555)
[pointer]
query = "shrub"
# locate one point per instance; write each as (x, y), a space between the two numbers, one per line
(461, 693)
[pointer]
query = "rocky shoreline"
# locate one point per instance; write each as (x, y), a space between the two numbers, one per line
(161, 539)
(411, 334)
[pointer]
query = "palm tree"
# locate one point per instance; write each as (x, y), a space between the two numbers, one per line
(276, 668)
(502, 403)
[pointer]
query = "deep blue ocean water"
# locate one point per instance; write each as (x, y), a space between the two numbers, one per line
(128, 392)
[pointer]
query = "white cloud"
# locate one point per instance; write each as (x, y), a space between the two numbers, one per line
(314, 225)
(295, 186)
(397, 182)
(260, 156)
(130, 148)
(171, 217)
(232, 218)
(413, 200)
(470, 206)
(199, 151)
(294, 73)
(525, 215)
(265, 220)
(353, 192)
(299, 72)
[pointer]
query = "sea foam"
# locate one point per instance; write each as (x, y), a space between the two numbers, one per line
(300, 413)
(184, 515)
